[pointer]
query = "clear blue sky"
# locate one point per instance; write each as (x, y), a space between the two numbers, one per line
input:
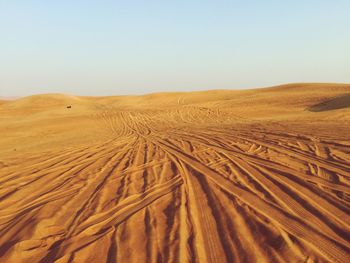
(135, 47)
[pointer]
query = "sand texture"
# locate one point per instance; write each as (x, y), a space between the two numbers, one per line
(215, 176)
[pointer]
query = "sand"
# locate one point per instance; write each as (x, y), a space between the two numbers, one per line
(258, 175)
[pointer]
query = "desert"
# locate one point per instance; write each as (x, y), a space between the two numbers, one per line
(257, 175)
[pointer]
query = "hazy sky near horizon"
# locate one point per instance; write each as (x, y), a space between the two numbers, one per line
(135, 47)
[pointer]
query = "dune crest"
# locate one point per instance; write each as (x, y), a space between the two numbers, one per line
(215, 176)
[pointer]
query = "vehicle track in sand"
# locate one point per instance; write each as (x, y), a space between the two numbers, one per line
(174, 186)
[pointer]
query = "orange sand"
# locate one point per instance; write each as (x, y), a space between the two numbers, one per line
(217, 176)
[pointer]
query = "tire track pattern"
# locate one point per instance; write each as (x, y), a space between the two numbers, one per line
(170, 186)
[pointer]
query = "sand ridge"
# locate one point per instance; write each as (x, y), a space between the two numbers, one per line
(213, 176)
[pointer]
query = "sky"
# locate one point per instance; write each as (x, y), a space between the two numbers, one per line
(104, 47)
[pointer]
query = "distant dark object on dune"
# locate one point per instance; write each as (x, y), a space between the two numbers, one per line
(340, 102)
(69, 106)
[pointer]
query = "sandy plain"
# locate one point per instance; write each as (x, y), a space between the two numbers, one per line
(257, 175)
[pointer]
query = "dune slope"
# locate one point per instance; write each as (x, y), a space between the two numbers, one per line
(216, 176)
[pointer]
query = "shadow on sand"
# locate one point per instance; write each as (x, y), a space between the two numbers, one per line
(337, 103)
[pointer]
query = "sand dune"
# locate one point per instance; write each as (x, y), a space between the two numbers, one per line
(340, 102)
(215, 176)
